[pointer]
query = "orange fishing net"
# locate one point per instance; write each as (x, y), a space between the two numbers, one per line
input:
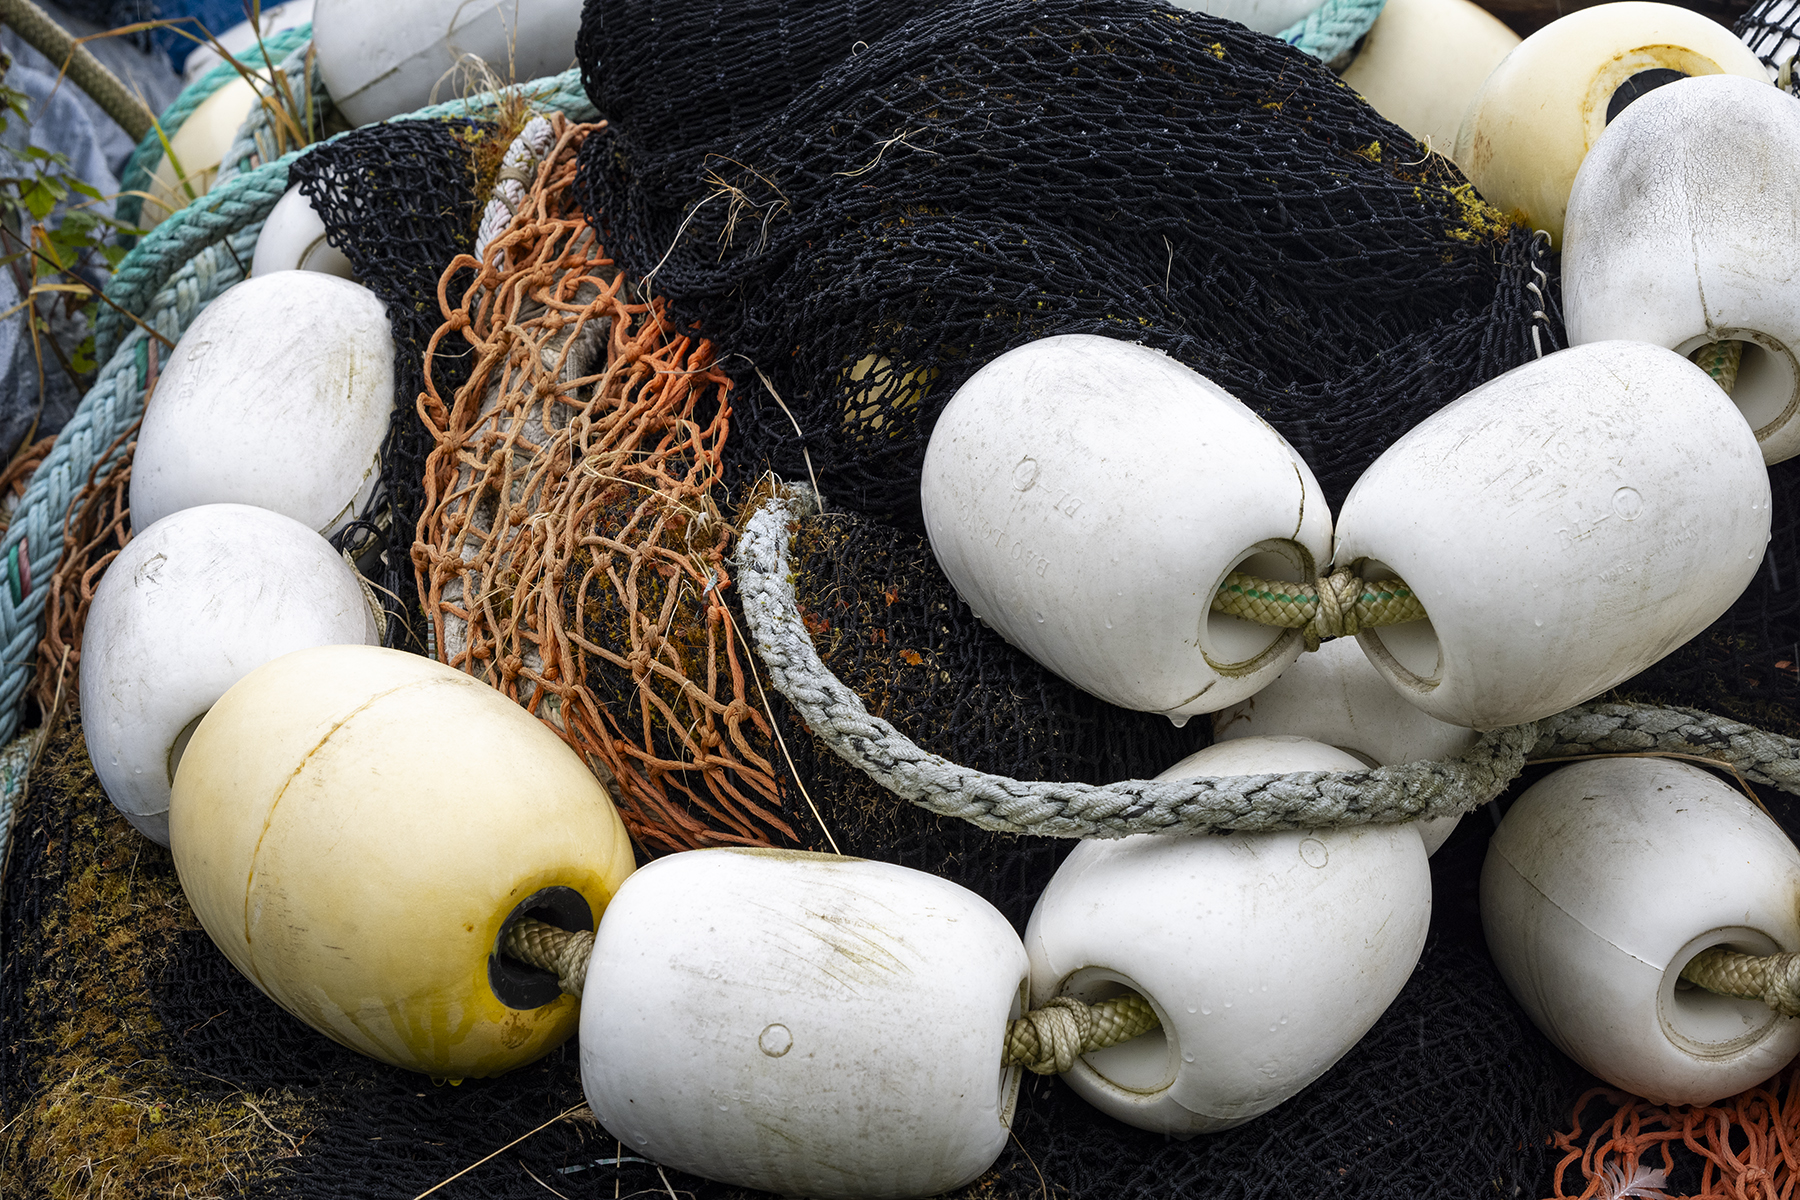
(1746, 1147)
(572, 552)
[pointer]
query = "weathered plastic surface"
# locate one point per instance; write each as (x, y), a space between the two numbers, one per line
(190, 606)
(278, 395)
(1565, 526)
(1264, 16)
(380, 60)
(1680, 233)
(293, 239)
(804, 1024)
(1266, 955)
(1087, 498)
(353, 826)
(1542, 109)
(1336, 696)
(199, 147)
(1602, 883)
(1423, 61)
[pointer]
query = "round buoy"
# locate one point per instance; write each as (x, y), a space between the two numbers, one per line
(1265, 955)
(1543, 108)
(1423, 61)
(293, 239)
(1264, 16)
(278, 395)
(358, 828)
(1337, 697)
(803, 1024)
(1605, 882)
(198, 148)
(1087, 497)
(1565, 526)
(380, 60)
(1679, 234)
(189, 607)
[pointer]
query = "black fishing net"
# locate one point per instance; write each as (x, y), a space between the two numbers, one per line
(987, 175)
(1771, 28)
(136, 1062)
(399, 200)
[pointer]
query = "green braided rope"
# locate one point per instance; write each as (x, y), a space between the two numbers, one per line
(1339, 605)
(140, 167)
(1720, 360)
(1332, 29)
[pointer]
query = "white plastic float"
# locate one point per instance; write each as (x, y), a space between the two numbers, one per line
(1264, 16)
(1680, 233)
(189, 607)
(293, 239)
(1602, 883)
(1266, 955)
(1424, 60)
(379, 60)
(1088, 496)
(1337, 697)
(356, 827)
(278, 395)
(803, 1024)
(199, 147)
(1543, 108)
(1565, 526)
(242, 37)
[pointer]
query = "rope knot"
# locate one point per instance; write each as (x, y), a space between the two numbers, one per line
(1061, 1028)
(1336, 615)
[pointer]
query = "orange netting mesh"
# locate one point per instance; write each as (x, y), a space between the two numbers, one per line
(572, 552)
(1746, 1147)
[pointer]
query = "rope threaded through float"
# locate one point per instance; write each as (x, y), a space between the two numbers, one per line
(1773, 979)
(1721, 360)
(1338, 605)
(1046, 1040)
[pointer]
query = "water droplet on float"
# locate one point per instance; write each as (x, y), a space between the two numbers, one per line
(722, 1108)
(1204, 1011)
(1271, 1029)
(1040, 618)
(1539, 623)
(1187, 1058)
(1109, 624)
(1190, 1008)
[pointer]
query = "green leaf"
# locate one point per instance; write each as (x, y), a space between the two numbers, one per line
(40, 198)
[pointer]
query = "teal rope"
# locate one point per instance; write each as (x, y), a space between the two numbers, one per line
(172, 274)
(149, 151)
(1333, 28)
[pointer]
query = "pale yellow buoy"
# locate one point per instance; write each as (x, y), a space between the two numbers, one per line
(199, 145)
(356, 828)
(1424, 60)
(1535, 118)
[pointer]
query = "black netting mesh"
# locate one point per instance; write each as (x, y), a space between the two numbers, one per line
(1771, 28)
(400, 201)
(986, 175)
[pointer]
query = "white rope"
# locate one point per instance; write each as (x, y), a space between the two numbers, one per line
(517, 169)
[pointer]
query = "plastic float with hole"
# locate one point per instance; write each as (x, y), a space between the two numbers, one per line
(1264, 16)
(293, 239)
(380, 60)
(1565, 526)
(357, 828)
(1266, 955)
(833, 1028)
(1679, 234)
(1087, 498)
(1545, 106)
(278, 395)
(1337, 697)
(1423, 61)
(1603, 882)
(190, 606)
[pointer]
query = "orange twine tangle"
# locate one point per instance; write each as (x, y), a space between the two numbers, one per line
(571, 551)
(1748, 1146)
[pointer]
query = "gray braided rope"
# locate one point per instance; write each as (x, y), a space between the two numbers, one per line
(1302, 800)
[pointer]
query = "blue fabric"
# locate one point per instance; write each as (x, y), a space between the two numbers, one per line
(216, 15)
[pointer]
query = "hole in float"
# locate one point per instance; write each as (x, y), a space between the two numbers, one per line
(1767, 390)
(1233, 646)
(1146, 1065)
(1409, 654)
(1705, 1024)
(515, 984)
(179, 746)
(1636, 86)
